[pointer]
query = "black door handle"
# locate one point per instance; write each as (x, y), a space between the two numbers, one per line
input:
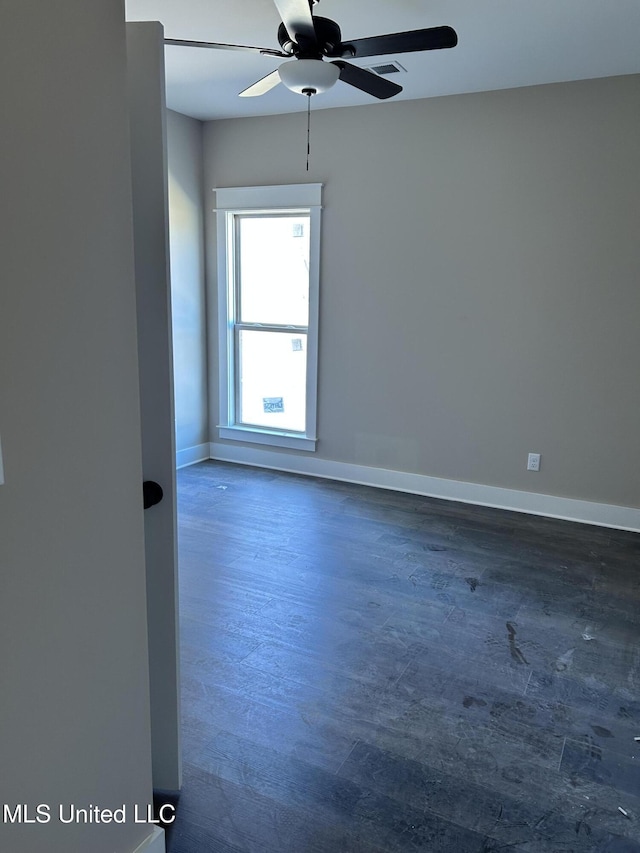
(151, 493)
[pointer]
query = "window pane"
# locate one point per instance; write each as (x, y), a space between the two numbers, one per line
(272, 372)
(274, 269)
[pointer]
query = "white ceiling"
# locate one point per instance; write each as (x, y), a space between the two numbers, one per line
(502, 44)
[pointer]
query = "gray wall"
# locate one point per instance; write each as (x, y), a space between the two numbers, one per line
(479, 280)
(74, 704)
(186, 229)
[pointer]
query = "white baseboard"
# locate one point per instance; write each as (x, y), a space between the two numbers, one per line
(191, 455)
(568, 509)
(154, 843)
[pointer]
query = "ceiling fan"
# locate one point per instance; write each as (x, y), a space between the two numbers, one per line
(306, 40)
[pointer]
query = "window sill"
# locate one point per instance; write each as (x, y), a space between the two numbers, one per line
(260, 436)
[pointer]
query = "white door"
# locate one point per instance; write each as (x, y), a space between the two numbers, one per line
(145, 49)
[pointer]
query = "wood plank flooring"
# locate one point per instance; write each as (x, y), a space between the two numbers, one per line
(368, 672)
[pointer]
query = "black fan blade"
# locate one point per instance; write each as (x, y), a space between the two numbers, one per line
(433, 38)
(367, 81)
(297, 18)
(265, 84)
(266, 51)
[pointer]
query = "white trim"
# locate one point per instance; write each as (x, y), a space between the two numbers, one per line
(191, 455)
(311, 416)
(256, 198)
(225, 318)
(154, 843)
(568, 509)
(263, 436)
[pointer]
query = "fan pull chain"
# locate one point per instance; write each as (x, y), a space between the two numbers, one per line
(308, 127)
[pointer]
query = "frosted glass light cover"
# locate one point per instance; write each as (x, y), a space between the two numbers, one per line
(313, 74)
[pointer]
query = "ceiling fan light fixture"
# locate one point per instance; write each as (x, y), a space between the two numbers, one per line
(308, 76)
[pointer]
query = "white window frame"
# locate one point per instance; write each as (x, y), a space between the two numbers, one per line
(231, 201)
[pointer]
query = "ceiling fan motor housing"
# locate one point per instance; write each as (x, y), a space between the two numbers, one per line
(328, 41)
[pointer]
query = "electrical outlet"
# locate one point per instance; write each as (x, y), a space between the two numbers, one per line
(533, 462)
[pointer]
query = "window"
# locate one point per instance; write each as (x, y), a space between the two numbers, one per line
(268, 276)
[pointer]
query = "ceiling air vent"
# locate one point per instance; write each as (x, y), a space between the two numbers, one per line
(387, 68)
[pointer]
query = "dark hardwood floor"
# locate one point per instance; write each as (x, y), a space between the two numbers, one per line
(371, 671)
